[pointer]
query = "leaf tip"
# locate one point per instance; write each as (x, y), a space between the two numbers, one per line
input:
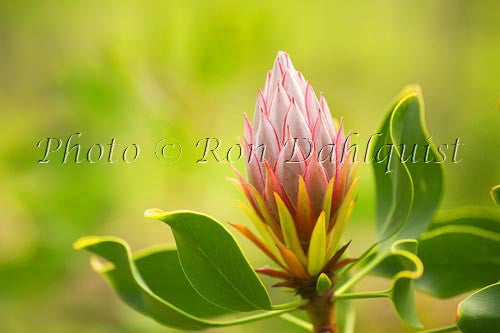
(84, 242)
(154, 213)
(323, 283)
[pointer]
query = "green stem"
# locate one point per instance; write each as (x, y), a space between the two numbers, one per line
(452, 328)
(362, 273)
(370, 294)
(289, 306)
(297, 322)
(250, 319)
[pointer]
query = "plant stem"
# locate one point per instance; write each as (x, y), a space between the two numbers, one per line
(249, 319)
(321, 311)
(370, 294)
(452, 328)
(297, 321)
(289, 306)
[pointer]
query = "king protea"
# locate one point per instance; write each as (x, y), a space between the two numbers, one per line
(300, 186)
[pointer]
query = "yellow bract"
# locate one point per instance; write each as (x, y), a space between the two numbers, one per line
(289, 231)
(317, 247)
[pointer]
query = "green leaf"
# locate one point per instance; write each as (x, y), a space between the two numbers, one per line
(402, 293)
(457, 259)
(460, 253)
(161, 271)
(213, 261)
(408, 128)
(495, 194)
(403, 266)
(153, 283)
(323, 283)
(408, 195)
(480, 312)
(394, 191)
(480, 217)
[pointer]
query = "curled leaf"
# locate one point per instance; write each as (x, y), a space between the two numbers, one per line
(403, 265)
(495, 194)
(402, 293)
(460, 253)
(173, 302)
(408, 190)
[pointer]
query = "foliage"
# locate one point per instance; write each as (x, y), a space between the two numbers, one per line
(208, 275)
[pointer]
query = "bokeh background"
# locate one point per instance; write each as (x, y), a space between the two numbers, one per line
(141, 71)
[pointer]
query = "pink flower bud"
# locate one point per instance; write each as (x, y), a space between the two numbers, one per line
(293, 139)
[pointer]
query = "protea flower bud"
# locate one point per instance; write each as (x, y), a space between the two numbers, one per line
(300, 186)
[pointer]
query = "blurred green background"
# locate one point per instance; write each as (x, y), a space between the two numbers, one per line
(141, 71)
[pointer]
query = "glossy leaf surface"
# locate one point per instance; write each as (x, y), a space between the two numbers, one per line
(214, 262)
(480, 312)
(402, 293)
(407, 173)
(458, 259)
(168, 298)
(460, 253)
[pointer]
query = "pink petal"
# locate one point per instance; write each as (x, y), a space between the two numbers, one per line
(267, 85)
(276, 76)
(302, 81)
(339, 144)
(285, 61)
(255, 172)
(248, 130)
(289, 168)
(294, 90)
(278, 110)
(320, 134)
(297, 128)
(327, 116)
(312, 104)
(259, 111)
(266, 141)
(325, 148)
(338, 187)
(261, 103)
(316, 184)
